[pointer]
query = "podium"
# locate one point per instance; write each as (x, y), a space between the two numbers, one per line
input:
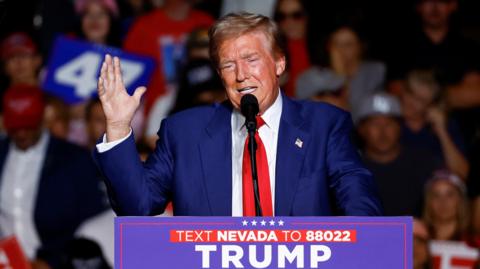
(278, 242)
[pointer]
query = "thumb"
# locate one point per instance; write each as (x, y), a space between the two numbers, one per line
(139, 92)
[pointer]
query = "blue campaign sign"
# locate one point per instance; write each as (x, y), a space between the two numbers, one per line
(74, 68)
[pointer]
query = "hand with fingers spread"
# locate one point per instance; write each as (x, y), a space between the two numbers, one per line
(118, 106)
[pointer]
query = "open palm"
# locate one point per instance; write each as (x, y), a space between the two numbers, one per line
(118, 106)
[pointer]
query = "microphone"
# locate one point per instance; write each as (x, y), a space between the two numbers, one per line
(249, 109)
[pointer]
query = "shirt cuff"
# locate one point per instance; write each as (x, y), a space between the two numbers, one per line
(106, 146)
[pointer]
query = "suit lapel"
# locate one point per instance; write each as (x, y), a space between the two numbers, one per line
(216, 156)
(291, 148)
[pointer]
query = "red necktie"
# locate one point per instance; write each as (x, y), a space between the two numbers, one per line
(263, 178)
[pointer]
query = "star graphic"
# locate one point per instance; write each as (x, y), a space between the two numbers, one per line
(272, 223)
(245, 223)
(254, 223)
(263, 222)
(280, 223)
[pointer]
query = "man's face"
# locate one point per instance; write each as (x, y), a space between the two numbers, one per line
(22, 68)
(24, 138)
(380, 133)
(291, 19)
(436, 13)
(444, 201)
(248, 65)
(416, 100)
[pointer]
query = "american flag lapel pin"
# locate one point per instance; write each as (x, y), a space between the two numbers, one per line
(299, 143)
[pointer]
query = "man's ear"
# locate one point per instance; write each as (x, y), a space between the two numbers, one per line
(280, 64)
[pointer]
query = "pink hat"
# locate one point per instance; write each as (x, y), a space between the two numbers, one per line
(110, 5)
(17, 43)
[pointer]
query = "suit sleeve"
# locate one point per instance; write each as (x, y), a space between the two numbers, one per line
(136, 188)
(352, 184)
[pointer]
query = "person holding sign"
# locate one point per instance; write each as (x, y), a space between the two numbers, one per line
(306, 164)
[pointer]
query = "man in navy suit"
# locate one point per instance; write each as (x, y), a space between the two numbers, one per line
(311, 167)
(48, 187)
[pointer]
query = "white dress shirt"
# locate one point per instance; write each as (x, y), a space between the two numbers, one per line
(20, 181)
(269, 135)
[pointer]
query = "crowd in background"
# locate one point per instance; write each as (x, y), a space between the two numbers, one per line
(414, 97)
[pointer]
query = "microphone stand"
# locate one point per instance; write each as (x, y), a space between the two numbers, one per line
(252, 148)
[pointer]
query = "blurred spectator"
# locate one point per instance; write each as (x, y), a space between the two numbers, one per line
(49, 186)
(264, 7)
(200, 85)
(291, 17)
(95, 120)
(426, 124)
(161, 34)
(344, 56)
(56, 117)
(421, 253)
(400, 172)
(322, 85)
(446, 211)
(438, 43)
(98, 21)
(20, 58)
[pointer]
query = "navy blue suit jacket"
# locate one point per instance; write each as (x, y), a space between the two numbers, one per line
(68, 193)
(192, 166)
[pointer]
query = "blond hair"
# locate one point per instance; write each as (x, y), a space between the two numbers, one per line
(234, 25)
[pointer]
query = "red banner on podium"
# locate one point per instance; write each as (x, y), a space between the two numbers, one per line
(11, 255)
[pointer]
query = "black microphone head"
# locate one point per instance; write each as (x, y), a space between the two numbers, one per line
(249, 105)
(249, 109)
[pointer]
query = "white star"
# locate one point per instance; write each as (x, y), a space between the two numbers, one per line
(272, 223)
(245, 223)
(254, 223)
(280, 223)
(263, 222)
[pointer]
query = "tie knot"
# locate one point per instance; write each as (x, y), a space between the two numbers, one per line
(260, 122)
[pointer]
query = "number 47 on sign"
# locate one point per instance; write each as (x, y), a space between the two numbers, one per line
(74, 68)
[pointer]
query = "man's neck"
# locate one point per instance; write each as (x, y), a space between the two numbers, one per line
(436, 34)
(383, 157)
(177, 10)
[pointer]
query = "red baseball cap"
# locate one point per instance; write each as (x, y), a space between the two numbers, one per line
(23, 107)
(17, 43)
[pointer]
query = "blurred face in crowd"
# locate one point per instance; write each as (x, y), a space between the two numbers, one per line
(247, 64)
(96, 22)
(291, 18)
(345, 43)
(416, 100)
(22, 68)
(381, 134)
(56, 119)
(24, 138)
(96, 122)
(436, 13)
(444, 201)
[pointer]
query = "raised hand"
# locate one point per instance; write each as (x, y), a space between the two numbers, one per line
(118, 106)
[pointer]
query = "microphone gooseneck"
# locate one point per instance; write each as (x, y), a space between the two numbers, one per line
(249, 108)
